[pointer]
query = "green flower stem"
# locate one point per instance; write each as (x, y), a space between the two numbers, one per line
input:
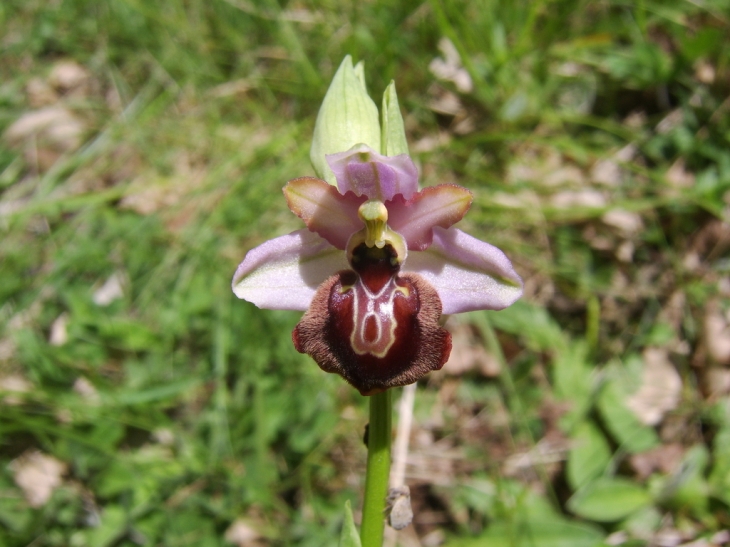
(378, 471)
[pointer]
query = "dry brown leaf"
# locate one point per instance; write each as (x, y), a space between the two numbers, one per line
(432, 142)
(111, 290)
(464, 126)
(660, 388)
(525, 199)
(598, 242)
(37, 475)
(447, 103)
(567, 175)
(7, 348)
(243, 534)
(11, 387)
(606, 172)
(704, 72)
(151, 193)
(673, 312)
(46, 134)
(535, 164)
(449, 68)
(40, 93)
(635, 120)
(86, 389)
(468, 353)
(670, 121)
(716, 381)
(164, 436)
(678, 177)
(717, 333)
(54, 126)
(59, 331)
(702, 542)
(579, 198)
(626, 153)
(234, 87)
(70, 77)
(625, 252)
(665, 458)
(434, 538)
(668, 537)
(628, 223)
(544, 453)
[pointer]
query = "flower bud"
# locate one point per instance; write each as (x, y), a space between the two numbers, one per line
(393, 139)
(348, 116)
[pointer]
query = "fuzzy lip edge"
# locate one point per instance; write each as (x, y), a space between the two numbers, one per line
(433, 348)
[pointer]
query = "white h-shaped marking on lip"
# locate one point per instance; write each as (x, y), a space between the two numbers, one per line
(376, 310)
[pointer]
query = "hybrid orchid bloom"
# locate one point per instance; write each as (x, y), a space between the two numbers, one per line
(374, 269)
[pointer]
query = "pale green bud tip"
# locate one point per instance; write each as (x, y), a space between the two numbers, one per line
(348, 116)
(360, 73)
(393, 139)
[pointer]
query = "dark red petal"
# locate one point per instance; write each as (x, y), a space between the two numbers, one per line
(374, 349)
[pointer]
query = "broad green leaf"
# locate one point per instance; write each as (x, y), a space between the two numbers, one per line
(190, 527)
(632, 435)
(151, 525)
(720, 473)
(523, 518)
(479, 494)
(555, 532)
(643, 522)
(534, 324)
(15, 515)
(588, 456)
(687, 488)
(573, 381)
(349, 536)
(608, 499)
(113, 525)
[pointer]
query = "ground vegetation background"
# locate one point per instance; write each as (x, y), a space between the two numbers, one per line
(143, 147)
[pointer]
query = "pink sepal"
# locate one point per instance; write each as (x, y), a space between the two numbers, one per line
(468, 274)
(284, 273)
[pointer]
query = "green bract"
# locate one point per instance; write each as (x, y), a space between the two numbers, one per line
(394, 134)
(349, 117)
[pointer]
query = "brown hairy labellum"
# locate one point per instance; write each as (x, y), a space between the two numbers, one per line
(374, 327)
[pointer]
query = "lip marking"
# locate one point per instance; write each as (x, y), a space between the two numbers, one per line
(377, 307)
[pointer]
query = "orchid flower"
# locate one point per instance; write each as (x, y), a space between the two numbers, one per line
(377, 265)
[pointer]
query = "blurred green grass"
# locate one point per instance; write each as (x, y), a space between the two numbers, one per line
(177, 411)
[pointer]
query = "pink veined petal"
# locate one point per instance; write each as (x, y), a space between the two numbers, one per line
(284, 273)
(324, 210)
(467, 273)
(364, 172)
(442, 205)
